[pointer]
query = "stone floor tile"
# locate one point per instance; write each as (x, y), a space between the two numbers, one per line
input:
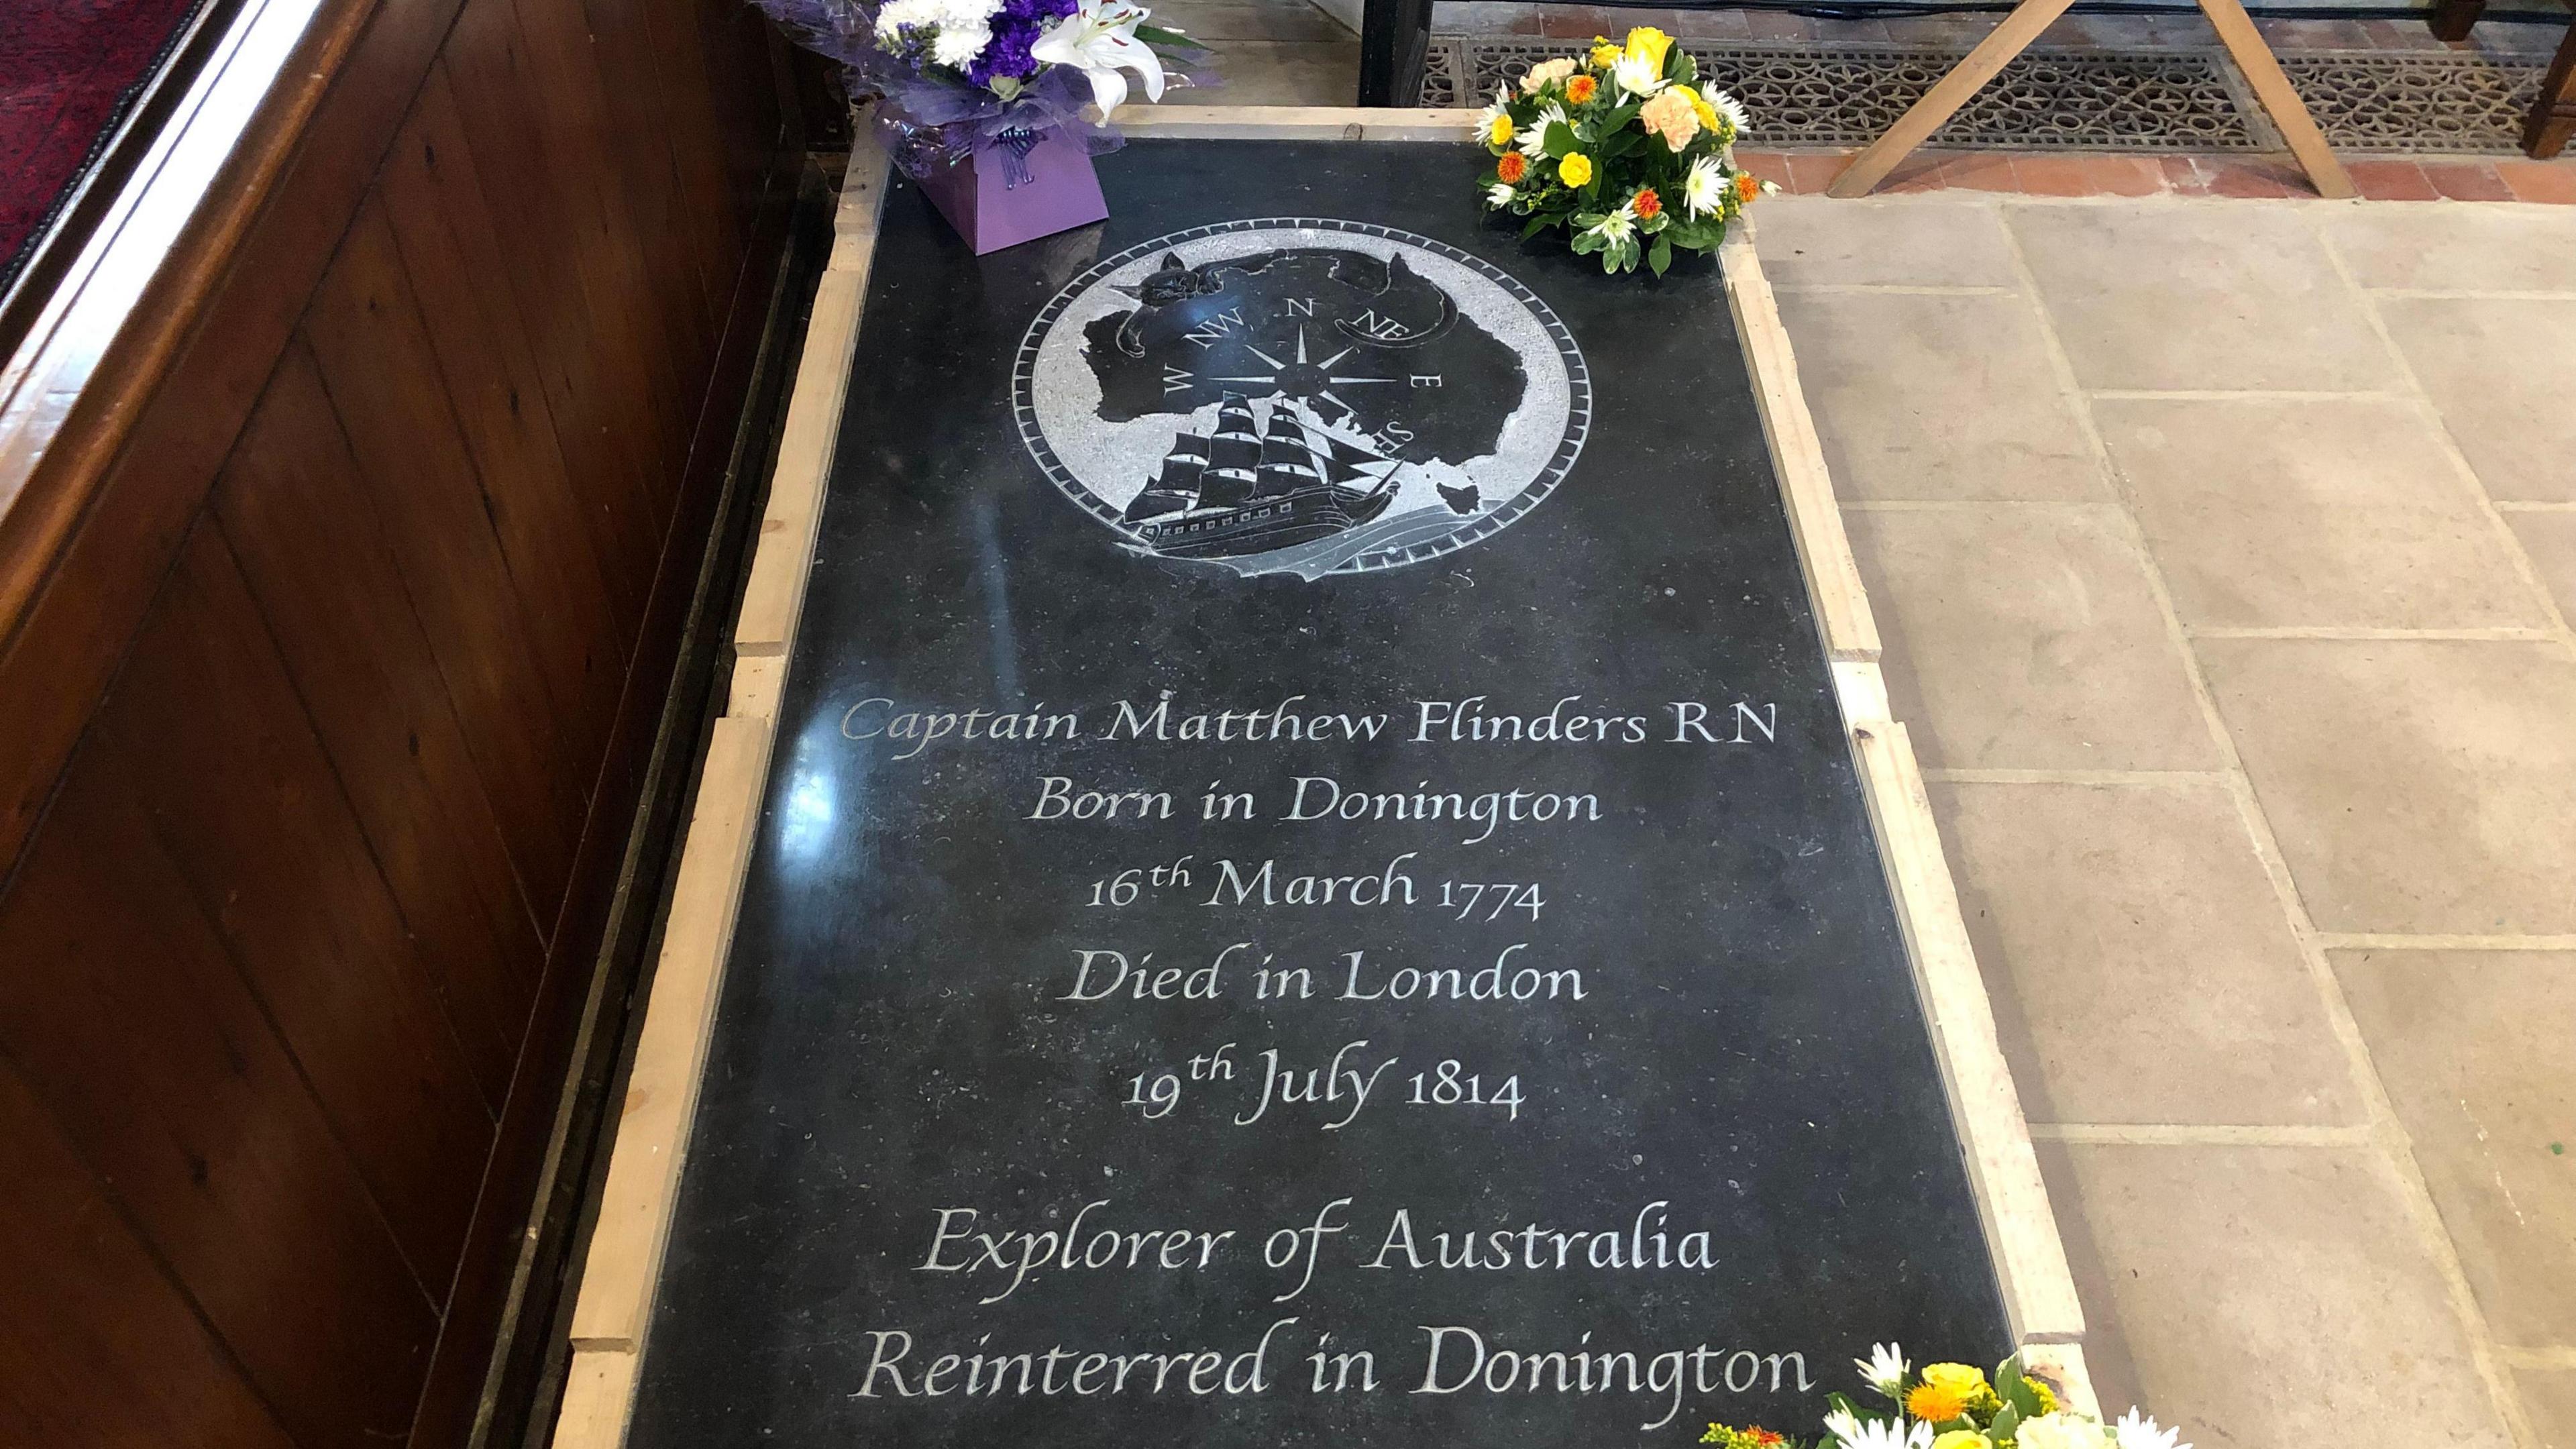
(2498, 370)
(2271, 512)
(2265, 1297)
(2024, 637)
(2456, 248)
(2550, 539)
(2549, 1397)
(1288, 73)
(1811, 241)
(1237, 20)
(2140, 962)
(2478, 1052)
(2551, 183)
(1938, 396)
(2418, 786)
(2155, 296)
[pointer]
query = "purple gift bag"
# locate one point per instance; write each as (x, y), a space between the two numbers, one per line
(1025, 185)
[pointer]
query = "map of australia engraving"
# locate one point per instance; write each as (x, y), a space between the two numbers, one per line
(1308, 405)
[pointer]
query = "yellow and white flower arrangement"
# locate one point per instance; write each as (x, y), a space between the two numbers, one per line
(1956, 1406)
(1623, 149)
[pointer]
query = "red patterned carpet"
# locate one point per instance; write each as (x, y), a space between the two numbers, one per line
(68, 71)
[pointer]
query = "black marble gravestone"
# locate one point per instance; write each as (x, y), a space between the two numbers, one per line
(1312, 889)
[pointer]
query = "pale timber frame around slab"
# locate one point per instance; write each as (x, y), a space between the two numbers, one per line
(622, 1272)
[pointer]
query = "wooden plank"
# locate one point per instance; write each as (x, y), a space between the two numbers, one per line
(1301, 123)
(613, 149)
(607, 463)
(131, 1025)
(2021, 1231)
(99, 1345)
(252, 815)
(1798, 456)
(774, 594)
(332, 595)
(599, 1397)
(2271, 87)
(1952, 91)
(493, 380)
(531, 158)
(636, 1205)
(564, 618)
(85, 542)
(366, 337)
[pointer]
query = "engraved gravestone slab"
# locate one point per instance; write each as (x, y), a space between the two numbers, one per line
(1312, 889)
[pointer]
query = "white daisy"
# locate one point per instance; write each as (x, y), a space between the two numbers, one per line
(1498, 196)
(1499, 110)
(1843, 1425)
(1889, 1434)
(1617, 227)
(1533, 142)
(1884, 1369)
(958, 45)
(1638, 75)
(1704, 188)
(2061, 1430)
(2137, 1431)
(1728, 107)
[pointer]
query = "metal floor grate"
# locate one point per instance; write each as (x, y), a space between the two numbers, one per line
(2126, 100)
(2374, 101)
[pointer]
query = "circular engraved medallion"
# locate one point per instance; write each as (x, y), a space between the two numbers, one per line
(1294, 395)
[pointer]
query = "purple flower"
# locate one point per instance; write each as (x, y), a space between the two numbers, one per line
(1007, 57)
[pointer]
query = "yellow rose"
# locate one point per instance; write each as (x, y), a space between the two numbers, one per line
(1604, 54)
(1500, 133)
(1967, 1384)
(1648, 44)
(1575, 170)
(1963, 1439)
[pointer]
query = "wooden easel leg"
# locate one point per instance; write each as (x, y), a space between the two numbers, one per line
(2451, 19)
(2553, 116)
(2307, 143)
(1943, 101)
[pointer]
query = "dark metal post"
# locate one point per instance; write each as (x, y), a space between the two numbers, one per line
(1395, 35)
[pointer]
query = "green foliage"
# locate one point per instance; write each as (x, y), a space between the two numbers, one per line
(1588, 158)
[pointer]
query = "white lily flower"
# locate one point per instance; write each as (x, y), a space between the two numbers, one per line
(2137, 1431)
(1533, 142)
(1500, 195)
(1099, 39)
(1884, 1369)
(1887, 1434)
(1638, 75)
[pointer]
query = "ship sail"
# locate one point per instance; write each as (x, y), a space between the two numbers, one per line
(1288, 454)
(1176, 488)
(1234, 455)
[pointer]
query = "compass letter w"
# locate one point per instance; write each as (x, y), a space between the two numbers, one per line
(1216, 326)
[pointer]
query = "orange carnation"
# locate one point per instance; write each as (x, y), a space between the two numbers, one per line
(1647, 203)
(1581, 88)
(1511, 168)
(1747, 186)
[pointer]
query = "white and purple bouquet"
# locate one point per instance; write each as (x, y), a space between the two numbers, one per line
(961, 76)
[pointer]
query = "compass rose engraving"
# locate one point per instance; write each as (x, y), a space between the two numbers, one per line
(1301, 396)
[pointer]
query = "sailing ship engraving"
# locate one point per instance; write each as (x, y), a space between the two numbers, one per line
(1243, 488)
